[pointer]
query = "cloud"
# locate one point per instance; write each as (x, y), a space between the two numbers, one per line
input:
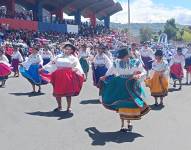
(146, 11)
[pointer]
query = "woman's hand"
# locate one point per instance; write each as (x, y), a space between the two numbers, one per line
(103, 78)
(136, 77)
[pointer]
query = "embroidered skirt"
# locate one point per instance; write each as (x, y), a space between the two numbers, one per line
(125, 96)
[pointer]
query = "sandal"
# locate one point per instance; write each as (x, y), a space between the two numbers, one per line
(69, 110)
(57, 109)
(130, 128)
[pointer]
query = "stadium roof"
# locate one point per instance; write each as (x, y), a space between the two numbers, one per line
(101, 8)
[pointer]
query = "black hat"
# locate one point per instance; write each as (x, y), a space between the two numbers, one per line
(70, 45)
(179, 49)
(159, 53)
(122, 53)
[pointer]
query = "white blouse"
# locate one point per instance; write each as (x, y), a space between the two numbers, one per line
(17, 55)
(33, 59)
(121, 68)
(102, 59)
(46, 55)
(188, 54)
(147, 53)
(63, 61)
(179, 59)
(160, 67)
(4, 59)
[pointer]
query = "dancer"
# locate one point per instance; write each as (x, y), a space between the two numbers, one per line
(158, 81)
(176, 68)
(5, 69)
(30, 69)
(147, 56)
(66, 76)
(100, 65)
(46, 55)
(123, 93)
(188, 64)
(16, 59)
(84, 55)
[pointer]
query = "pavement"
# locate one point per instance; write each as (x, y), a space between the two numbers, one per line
(28, 123)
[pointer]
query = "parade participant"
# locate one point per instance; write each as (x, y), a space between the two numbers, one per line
(66, 76)
(101, 63)
(158, 80)
(30, 69)
(47, 55)
(123, 93)
(134, 52)
(16, 59)
(84, 54)
(188, 64)
(147, 56)
(5, 69)
(176, 67)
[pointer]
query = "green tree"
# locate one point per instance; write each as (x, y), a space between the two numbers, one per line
(170, 29)
(145, 34)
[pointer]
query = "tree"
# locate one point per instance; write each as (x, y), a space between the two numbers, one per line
(170, 29)
(182, 33)
(145, 34)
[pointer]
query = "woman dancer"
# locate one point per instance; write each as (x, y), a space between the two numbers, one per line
(84, 55)
(176, 68)
(147, 56)
(123, 93)
(158, 81)
(5, 69)
(46, 55)
(16, 59)
(30, 69)
(101, 64)
(66, 76)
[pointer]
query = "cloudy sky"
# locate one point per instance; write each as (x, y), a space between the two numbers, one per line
(152, 11)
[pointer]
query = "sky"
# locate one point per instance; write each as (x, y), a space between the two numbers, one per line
(155, 11)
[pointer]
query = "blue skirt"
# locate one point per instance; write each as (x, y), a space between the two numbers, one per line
(33, 75)
(46, 61)
(187, 62)
(98, 72)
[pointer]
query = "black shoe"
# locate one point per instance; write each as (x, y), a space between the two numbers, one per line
(123, 130)
(57, 110)
(130, 128)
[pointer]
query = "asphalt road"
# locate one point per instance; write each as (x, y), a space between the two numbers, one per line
(28, 123)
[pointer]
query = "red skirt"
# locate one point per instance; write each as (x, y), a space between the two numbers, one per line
(176, 71)
(65, 81)
(4, 70)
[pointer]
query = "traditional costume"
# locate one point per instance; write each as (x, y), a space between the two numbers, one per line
(176, 67)
(188, 61)
(122, 93)
(65, 74)
(147, 57)
(30, 69)
(5, 69)
(16, 59)
(158, 81)
(101, 64)
(83, 56)
(46, 56)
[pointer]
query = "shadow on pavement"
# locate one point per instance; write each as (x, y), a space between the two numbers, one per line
(101, 138)
(93, 101)
(29, 94)
(156, 108)
(61, 114)
(173, 90)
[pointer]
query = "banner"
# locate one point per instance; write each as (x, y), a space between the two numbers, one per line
(72, 28)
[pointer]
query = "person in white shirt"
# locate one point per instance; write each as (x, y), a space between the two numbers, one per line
(177, 64)
(30, 69)
(188, 64)
(84, 56)
(101, 63)
(5, 69)
(123, 92)
(16, 59)
(66, 76)
(147, 56)
(158, 80)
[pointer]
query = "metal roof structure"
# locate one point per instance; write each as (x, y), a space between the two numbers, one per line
(101, 8)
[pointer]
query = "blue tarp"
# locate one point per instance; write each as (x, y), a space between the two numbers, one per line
(43, 27)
